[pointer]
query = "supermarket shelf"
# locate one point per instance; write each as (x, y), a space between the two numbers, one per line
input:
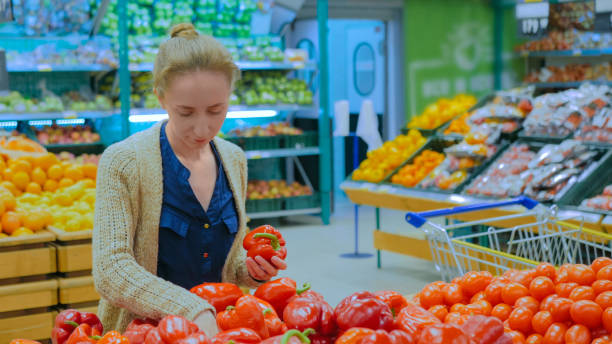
(54, 115)
(566, 53)
(282, 153)
(269, 214)
(275, 107)
(568, 84)
(243, 65)
(61, 68)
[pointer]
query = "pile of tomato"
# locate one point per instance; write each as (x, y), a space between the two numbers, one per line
(571, 304)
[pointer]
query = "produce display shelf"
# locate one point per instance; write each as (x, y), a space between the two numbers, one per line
(282, 153)
(565, 53)
(77, 148)
(273, 107)
(31, 255)
(279, 213)
(574, 84)
(60, 68)
(54, 115)
(74, 250)
(243, 65)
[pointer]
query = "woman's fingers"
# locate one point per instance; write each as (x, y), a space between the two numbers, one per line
(255, 270)
(266, 266)
(279, 263)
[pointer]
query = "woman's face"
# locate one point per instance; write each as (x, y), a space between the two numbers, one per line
(197, 104)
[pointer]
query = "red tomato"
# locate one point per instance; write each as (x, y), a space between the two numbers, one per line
(480, 307)
(501, 311)
(600, 262)
(475, 281)
(578, 334)
(541, 287)
(524, 277)
(600, 333)
(545, 304)
(512, 292)
(453, 318)
(493, 292)
(600, 341)
(565, 289)
(453, 293)
(604, 300)
(605, 273)
(443, 334)
(520, 320)
(582, 293)
(600, 286)
(560, 309)
(431, 295)
(439, 311)
(606, 319)
(541, 321)
(562, 274)
(555, 334)
(517, 337)
(458, 308)
(478, 296)
(534, 339)
(582, 274)
(528, 302)
(546, 270)
(587, 313)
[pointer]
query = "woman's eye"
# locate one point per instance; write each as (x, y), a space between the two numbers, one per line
(216, 112)
(185, 114)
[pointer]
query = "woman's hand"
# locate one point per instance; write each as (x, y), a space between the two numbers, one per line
(262, 270)
(206, 322)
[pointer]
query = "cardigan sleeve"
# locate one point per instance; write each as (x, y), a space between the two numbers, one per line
(117, 275)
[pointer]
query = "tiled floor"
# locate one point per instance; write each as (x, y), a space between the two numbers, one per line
(314, 254)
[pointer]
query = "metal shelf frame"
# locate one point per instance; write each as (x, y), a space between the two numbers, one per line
(279, 213)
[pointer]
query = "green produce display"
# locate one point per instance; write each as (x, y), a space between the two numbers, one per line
(17, 103)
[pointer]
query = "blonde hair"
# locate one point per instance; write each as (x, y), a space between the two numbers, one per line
(187, 51)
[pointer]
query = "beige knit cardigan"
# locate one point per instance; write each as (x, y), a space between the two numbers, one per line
(126, 229)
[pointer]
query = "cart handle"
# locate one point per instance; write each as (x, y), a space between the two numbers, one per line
(418, 219)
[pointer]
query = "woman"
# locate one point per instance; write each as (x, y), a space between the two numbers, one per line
(170, 200)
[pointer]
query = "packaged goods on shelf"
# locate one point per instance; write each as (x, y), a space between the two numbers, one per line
(572, 73)
(601, 202)
(73, 100)
(68, 134)
(442, 111)
(382, 161)
(568, 40)
(91, 52)
(574, 15)
(563, 113)
(540, 171)
(271, 129)
(269, 88)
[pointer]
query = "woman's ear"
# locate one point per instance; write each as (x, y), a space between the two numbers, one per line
(159, 99)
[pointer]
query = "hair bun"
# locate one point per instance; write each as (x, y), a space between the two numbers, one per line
(184, 30)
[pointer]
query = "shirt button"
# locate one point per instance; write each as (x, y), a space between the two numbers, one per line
(206, 225)
(205, 254)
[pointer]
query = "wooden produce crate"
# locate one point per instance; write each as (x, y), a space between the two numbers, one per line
(28, 296)
(27, 256)
(73, 250)
(77, 290)
(35, 326)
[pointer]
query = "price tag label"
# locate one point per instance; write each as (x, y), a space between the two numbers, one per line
(603, 15)
(532, 18)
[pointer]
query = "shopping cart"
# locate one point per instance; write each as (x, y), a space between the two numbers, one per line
(548, 239)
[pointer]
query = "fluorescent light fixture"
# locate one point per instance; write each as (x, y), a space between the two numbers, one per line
(8, 124)
(458, 199)
(155, 117)
(76, 121)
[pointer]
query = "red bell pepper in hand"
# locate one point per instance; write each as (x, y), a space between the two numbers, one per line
(483, 329)
(113, 337)
(393, 299)
(310, 312)
(219, 295)
(279, 291)
(68, 320)
(173, 328)
(265, 241)
(291, 337)
(138, 329)
(412, 319)
(362, 335)
(363, 309)
(247, 313)
(83, 334)
(241, 335)
(443, 334)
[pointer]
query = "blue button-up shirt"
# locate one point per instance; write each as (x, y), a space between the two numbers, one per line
(193, 242)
